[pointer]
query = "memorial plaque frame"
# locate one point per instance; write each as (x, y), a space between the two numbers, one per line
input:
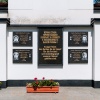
(77, 56)
(78, 39)
(51, 47)
(22, 56)
(22, 38)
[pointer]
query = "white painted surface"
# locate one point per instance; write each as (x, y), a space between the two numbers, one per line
(51, 11)
(96, 61)
(20, 4)
(81, 4)
(68, 71)
(3, 52)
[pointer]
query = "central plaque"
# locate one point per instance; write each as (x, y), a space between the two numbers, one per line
(22, 38)
(50, 46)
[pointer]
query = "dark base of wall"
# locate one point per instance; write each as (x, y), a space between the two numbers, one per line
(75, 83)
(3, 9)
(81, 83)
(96, 84)
(62, 82)
(4, 84)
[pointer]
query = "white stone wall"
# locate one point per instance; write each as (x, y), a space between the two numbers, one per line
(3, 54)
(96, 52)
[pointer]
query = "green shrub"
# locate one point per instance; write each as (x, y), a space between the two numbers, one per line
(4, 1)
(39, 83)
(0, 83)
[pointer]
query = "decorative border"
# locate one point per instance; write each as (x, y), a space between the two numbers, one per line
(44, 25)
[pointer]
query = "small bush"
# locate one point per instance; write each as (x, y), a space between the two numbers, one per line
(4, 1)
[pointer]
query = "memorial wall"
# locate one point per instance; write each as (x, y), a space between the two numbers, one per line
(53, 50)
(53, 40)
(50, 47)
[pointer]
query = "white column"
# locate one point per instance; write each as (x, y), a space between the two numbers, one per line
(3, 63)
(96, 54)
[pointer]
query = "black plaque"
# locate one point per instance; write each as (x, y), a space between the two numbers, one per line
(77, 55)
(78, 39)
(22, 38)
(50, 46)
(22, 55)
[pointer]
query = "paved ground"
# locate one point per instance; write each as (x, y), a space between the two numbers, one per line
(65, 93)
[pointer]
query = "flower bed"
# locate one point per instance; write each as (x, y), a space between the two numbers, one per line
(44, 89)
(42, 86)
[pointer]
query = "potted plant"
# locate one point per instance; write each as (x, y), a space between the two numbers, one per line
(42, 86)
(3, 3)
(0, 85)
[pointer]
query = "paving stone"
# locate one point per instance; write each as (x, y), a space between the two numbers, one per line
(65, 93)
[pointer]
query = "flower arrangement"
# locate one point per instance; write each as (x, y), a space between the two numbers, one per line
(42, 82)
(43, 86)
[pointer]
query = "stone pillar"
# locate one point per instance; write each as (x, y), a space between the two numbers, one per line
(96, 54)
(3, 53)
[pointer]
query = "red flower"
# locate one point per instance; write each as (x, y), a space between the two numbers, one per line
(43, 78)
(35, 78)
